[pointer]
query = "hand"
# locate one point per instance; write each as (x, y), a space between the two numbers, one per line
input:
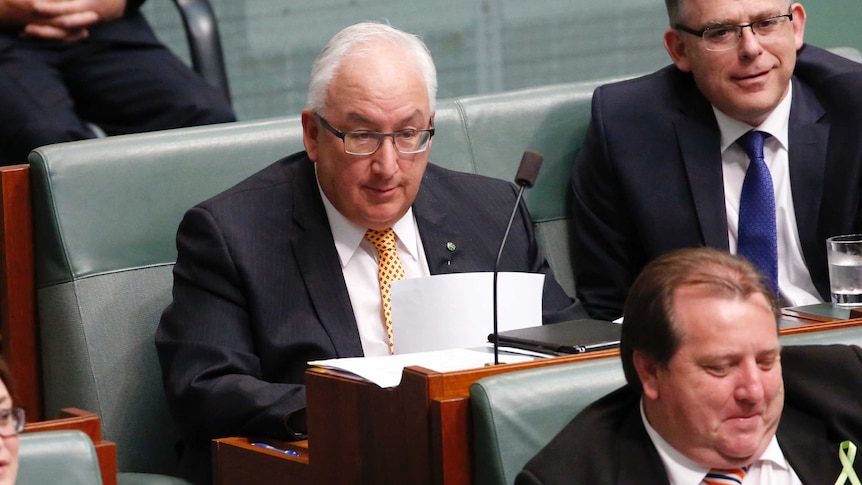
(70, 20)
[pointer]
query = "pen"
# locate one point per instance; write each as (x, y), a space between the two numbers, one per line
(277, 450)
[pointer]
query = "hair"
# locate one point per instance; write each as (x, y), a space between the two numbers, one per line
(674, 8)
(6, 377)
(359, 38)
(650, 325)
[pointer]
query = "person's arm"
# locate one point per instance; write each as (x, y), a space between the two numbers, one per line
(606, 257)
(213, 376)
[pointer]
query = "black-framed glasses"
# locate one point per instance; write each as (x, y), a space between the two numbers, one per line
(11, 422)
(363, 143)
(724, 37)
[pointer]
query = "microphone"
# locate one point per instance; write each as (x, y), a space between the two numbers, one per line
(525, 179)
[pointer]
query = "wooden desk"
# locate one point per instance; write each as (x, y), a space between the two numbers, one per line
(417, 433)
(237, 462)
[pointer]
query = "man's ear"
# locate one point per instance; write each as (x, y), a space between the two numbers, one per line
(676, 48)
(647, 370)
(798, 24)
(310, 134)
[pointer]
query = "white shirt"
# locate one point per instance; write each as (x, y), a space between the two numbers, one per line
(358, 259)
(794, 280)
(771, 468)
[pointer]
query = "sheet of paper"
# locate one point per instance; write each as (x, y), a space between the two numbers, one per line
(455, 310)
(386, 371)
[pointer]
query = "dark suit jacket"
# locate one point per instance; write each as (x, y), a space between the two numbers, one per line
(822, 409)
(649, 177)
(258, 289)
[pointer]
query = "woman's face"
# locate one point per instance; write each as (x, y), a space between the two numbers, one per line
(8, 444)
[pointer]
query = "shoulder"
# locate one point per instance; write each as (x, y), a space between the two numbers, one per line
(463, 184)
(835, 80)
(274, 179)
(815, 65)
(644, 100)
(797, 360)
(607, 422)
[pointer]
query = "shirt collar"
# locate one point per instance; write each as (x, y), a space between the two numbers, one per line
(348, 236)
(776, 124)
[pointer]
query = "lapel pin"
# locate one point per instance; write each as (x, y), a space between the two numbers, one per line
(450, 246)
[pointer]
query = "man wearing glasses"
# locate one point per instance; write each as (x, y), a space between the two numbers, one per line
(283, 269)
(666, 161)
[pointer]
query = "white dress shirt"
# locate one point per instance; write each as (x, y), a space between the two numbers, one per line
(359, 265)
(794, 280)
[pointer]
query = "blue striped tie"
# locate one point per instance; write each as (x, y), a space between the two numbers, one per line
(757, 234)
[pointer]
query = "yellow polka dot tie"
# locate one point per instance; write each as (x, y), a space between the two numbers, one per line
(389, 270)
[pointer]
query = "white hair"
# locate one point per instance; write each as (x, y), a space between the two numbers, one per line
(362, 35)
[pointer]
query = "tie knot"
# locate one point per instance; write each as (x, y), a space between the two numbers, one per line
(752, 143)
(731, 476)
(382, 240)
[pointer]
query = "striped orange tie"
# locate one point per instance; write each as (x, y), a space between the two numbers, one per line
(725, 477)
(389, 270)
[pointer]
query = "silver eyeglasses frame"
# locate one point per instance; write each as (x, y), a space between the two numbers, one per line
(716, 40)
(349, 137)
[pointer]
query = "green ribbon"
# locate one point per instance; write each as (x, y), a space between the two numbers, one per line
(847, 455)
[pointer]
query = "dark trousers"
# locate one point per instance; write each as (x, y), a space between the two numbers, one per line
(51, 91)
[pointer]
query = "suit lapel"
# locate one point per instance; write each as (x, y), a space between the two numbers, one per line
(318, 262)
(436, 236)
(807, 153)
(639, 460)
(699, 142)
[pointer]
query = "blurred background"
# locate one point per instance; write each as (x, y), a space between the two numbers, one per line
(479, 46)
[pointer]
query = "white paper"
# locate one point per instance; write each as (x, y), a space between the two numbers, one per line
(386, 371)
(455, 310)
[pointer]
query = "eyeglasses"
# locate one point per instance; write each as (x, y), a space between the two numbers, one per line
(724, 37)
(11, 422)
(363, 143)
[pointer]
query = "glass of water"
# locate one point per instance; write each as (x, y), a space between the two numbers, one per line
(845, 269)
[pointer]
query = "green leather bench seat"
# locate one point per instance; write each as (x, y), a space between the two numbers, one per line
(57, 458)
(106, 213)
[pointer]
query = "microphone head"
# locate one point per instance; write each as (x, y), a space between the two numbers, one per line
(529, 169)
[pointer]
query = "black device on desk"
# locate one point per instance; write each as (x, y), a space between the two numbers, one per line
(572, 337)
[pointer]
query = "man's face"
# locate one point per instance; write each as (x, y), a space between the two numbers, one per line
(747, 81)
(379, 90)
(719, 399)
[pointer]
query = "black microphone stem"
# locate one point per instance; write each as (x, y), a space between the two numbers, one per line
(497, 269)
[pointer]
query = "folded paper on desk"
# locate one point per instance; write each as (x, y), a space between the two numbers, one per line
(386, 371)
(571, 337)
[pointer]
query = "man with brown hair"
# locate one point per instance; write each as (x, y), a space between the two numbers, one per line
(710, 391)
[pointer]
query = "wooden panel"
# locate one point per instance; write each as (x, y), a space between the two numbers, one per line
(17, 288)
(237, 462)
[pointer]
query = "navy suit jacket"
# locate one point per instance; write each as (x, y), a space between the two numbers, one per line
(608, 444)
(258, 289)
(649, 177)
